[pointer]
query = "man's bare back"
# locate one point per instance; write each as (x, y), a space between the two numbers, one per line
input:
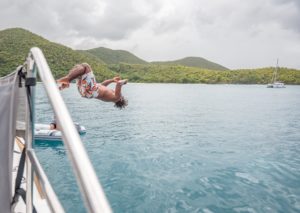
(110, 95)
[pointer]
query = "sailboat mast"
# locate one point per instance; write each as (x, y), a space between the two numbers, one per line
(276, 70)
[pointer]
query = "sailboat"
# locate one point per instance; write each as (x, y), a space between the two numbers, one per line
(275, 83)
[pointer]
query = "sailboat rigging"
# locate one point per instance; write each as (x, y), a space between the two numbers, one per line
(275, 83)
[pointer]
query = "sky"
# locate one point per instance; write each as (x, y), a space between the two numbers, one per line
(234, 33)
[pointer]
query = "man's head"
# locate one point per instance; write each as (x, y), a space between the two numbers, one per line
(121, 103)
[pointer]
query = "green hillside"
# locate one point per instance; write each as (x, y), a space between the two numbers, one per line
(15, 44)
(184, 74)
(110, 56)
(193, 62)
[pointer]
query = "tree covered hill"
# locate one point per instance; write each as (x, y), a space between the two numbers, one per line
(110, 56)
(184, 74)
(15, 44)
(194, 62)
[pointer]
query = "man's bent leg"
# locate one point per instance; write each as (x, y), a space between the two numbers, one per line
(77, 71)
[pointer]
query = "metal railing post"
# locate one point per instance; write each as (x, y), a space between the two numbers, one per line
(92, 192)
(28, 144)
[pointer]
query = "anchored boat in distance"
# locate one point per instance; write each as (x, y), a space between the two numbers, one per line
(275, 83)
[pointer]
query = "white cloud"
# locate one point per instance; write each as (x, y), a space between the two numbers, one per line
(234, 33)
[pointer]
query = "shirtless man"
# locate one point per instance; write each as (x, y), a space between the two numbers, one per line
(89, 88)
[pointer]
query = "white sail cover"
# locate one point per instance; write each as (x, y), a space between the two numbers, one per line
(8, 106)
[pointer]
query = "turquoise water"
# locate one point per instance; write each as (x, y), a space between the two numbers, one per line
(185, 148)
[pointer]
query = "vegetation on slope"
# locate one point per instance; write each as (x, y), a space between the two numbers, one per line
(110, 56)
(16, 43)
(193, 62)
(183, 74)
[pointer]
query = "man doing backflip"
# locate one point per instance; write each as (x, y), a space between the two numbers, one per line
(89, 88)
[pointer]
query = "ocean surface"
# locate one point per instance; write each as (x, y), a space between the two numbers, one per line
(184, 148)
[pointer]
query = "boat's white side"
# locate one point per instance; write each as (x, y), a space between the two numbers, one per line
(39, 202)
(276, 85)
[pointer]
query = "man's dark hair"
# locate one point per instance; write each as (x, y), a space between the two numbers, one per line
(122, 103)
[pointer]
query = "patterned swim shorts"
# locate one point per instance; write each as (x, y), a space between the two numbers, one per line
(87, 85)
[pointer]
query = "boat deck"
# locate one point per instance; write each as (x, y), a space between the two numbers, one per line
(39, 200)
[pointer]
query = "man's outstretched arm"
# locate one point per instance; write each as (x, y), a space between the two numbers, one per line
(109, 81)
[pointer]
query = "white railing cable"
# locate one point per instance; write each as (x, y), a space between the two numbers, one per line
(92, 192)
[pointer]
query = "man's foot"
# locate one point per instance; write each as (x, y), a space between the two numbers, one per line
(63, 83)
(122, 82)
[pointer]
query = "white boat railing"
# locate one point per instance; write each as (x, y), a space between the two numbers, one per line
(91, 190)
(51, 197)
